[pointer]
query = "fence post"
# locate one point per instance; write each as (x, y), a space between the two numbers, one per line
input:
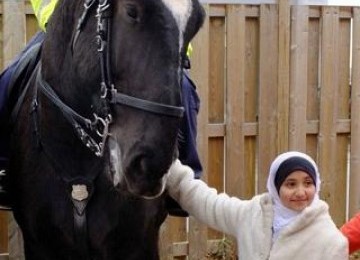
(283, 76)
(268, 86)
(299, 78)
(354, 198)
(14, 39)
(13, 29)
(200, 73)
(328, 142)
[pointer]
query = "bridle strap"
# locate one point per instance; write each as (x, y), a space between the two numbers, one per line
(80, 124)
(107, 86)
(67, 111)
(146, 105)
(103, 14)
(87, 6)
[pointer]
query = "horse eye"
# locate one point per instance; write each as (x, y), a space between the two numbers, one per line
(132, 12)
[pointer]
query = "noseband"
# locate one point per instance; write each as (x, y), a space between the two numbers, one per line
(109, 94)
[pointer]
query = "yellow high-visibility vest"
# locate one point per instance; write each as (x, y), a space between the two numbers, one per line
(43, 10)
(189, 50)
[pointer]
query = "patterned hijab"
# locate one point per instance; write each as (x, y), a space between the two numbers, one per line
(283, 215)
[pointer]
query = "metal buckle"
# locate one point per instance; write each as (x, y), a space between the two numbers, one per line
(102, 130)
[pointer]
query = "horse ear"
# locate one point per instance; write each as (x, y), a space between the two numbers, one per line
(195, 22)
(201, 16)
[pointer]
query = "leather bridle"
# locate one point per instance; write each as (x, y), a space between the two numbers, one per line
(109, 94)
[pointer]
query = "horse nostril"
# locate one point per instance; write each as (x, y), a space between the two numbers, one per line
(139, 166)
(148, 168)
(144, 176)
(145, 167)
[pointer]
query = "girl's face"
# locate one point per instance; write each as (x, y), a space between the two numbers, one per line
(297, 191)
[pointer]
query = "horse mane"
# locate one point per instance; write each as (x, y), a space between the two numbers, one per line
(66, 67)
(59, 34)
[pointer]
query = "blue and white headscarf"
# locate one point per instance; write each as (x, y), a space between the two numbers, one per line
(283, 215)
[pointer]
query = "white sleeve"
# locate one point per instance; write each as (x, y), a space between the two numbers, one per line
(219, 211)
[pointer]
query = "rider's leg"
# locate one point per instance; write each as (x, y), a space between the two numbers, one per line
(5, 78)
(188, 154)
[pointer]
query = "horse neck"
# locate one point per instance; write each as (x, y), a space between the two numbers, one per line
(58, 54)
(69, 156)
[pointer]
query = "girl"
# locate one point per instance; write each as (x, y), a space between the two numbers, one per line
(288, 222)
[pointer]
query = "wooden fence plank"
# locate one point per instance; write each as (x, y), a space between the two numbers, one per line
(298, 78)
(235, 177)
(216, 100)
(343, 113)
(216, 106)
(31, 26)
(354, 191)
(13, 29)
(237, 182)
(267, 107)
(283, 76)
(250, 126)
(313, 101)
(172, 232)
(4, 238)
(327, 159)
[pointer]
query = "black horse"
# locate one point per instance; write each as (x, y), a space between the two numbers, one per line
(96, 131)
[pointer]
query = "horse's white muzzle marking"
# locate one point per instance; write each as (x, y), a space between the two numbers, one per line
(115, 161)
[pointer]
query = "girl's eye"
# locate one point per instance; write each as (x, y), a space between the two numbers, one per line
(309, 183)
(290, 184)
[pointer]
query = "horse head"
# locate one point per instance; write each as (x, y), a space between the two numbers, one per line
(120, 65)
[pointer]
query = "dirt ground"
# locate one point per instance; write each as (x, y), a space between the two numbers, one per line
(355, 256)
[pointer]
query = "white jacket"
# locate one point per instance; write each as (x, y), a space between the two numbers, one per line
(311, 236)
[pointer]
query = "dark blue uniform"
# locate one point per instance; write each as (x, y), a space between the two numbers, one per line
(4, 83)
(188, 154)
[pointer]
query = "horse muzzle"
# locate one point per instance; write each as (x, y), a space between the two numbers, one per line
(141, 177)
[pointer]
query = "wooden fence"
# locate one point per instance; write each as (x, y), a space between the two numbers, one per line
(271, 78)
